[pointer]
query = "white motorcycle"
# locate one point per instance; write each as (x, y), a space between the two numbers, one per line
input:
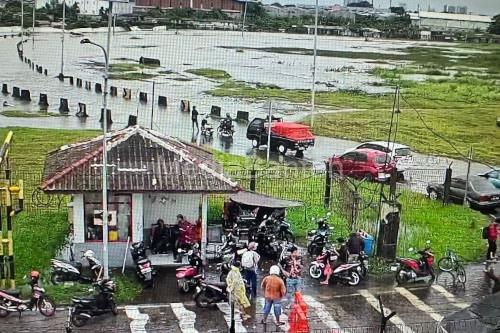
(62, 271)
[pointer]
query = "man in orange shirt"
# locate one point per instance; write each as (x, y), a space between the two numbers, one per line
(274, 290)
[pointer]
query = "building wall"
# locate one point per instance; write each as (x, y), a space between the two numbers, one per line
(451, 25)
(229, 5)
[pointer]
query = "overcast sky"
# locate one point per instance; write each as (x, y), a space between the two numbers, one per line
(486, 7)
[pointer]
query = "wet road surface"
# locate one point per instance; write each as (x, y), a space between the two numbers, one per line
(163, 309)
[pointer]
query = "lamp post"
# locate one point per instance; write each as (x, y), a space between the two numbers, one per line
(313, 90)
(104, 147)
(62, 38)
(33, 25)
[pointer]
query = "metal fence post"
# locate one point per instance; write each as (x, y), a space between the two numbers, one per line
(447, 184)
(328, 185)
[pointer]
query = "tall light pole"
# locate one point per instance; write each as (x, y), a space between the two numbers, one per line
(105, 257)
(33, 25)
(313, 90)
(22, 24)
(62, 37)
(244, 19)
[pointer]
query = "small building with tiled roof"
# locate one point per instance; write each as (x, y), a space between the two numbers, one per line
(150, 176)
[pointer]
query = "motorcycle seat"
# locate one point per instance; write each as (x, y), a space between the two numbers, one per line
(76, 264)
(83, 299)
(221, 285)
(142, 261)
(13, 293)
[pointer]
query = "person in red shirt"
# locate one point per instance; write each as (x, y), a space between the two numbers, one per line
(492, 240)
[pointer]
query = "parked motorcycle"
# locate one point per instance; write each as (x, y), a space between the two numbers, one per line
(10, 302)
(318, 238)
(206, 127)
(413, 270)
(189, 276)
(84, 308)
(231, 249)
(284, 231)
(347, 273)
(210, 293)
(265, 236)
(225, 130)
(144, 270)
(62, 271)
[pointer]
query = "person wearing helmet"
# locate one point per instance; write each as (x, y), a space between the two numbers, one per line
(274, 290)
(342, 258)
(34, 277)
(95, 265)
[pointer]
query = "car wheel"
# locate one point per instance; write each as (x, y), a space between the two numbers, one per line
(433, 195)
(282, 148)
(299, 154)
(467, 203)
(368, 177)
(255, 143)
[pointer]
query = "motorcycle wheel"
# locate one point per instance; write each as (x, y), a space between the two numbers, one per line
(78, 321)
(364, 271)
(113, 307)
(46, 306)
(3, 313)
(401, 277)
(202, 300)
(183, 286)
(315, 272)
(56, 278)
(310, 249)
(354, 278)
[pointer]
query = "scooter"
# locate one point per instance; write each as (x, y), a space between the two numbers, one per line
(188, 277)
(413, 270)
(84, 308)
(144, 270)
(231, 250)
(317, 238)
(62, 271)
(346, 273)
(210, 293)
(284, 230)
(9, 301)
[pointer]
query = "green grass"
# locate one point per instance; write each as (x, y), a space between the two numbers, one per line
(132, 76)
(211, 73)
(27, 114)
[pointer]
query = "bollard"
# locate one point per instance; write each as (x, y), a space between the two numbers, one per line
(149, 61)
(82, 111)
(241, 116)
(33, 66)
(132, 120)
(25, 60)
(61, 77)
(63, 106)
(5, 89)
(108, 118)
(45, 72)
(15, 92)
(113, 91)
(185, 106)
(162, 101)
(37, 68)
(127, 93)
(29, 62)
(43, 102)
(88, 85)
(143, 97)
(40, 69)
(98, 88)
(71, 80)
(25, 95)
(79, 83)
(215, 111)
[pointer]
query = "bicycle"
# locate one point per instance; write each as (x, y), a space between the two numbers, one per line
(450, 263)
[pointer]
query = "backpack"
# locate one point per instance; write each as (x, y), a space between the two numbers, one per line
(247, 260)
(485, 232)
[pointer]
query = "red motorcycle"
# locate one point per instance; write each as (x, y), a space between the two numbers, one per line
(413, 270)
(188, 277)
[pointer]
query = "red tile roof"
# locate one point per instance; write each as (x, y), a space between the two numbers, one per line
(139, 160)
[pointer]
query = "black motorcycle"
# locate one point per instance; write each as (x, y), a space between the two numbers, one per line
(318, 238)
(231, 249)
(284, 231)
(144, 270)
(225, 129)
(84, 308)
(208, 294)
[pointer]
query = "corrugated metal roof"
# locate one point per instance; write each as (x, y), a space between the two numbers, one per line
(455, 17)
(139, 160)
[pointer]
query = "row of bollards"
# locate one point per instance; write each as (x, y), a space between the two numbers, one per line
(33, 66)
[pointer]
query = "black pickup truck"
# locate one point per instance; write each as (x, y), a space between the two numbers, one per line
(284, 135)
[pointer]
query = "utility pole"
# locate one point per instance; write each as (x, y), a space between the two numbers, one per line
(269, 129)
(471, 154)
(33, 25)
(152, 105)
(22, 24)
(62, 39)
(244, 19)
(313, 90)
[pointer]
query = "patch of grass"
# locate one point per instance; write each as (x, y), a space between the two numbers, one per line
(28, 114)
(129, 67)
(132, 76)
(211, 73)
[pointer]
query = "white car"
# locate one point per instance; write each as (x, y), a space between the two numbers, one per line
(395, 150)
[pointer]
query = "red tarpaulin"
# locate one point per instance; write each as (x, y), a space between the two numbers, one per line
(292, 131)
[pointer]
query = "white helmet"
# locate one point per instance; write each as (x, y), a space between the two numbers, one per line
(88, 253)
(274, 270)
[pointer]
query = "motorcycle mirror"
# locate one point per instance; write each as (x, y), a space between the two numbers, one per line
(179, 251)
(410, 249)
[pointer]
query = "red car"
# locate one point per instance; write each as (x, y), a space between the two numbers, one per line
(364, 163)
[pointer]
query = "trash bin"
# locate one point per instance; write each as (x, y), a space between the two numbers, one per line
(369, 240)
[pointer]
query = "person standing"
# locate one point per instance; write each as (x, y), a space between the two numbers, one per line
(274, 291)
(293, 272)
(194, 118)
(236, 287)
(250, 263)
(492, 240)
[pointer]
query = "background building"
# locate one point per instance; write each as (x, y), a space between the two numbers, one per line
(228, 6)
(446, 22)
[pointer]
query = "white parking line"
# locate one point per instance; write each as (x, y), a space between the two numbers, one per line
(415, 301)
(259, 304)
(323, 315)
(185, 317)
(450, 297)
(374, 303)
(139, 320)
(226, 310)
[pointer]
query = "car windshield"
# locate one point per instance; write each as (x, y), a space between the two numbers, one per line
(382, 159)
(403, 152)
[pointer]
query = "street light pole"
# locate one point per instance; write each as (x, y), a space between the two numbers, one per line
(313, 90)
(105, 222)
(33, 25)
(22, 24)
(269, 130)
(62, 37)
(244, 18)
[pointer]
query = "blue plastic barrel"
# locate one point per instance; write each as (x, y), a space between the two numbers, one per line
(369, 245)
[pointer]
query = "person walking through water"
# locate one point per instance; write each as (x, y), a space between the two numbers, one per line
(250, 263)
(292, 269)
(236, 287)
(274, 291)
(194, 118)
